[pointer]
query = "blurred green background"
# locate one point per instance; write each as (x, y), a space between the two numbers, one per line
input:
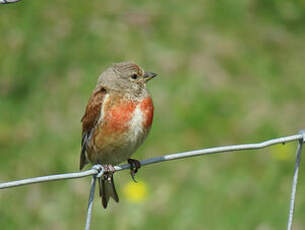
(230, 72)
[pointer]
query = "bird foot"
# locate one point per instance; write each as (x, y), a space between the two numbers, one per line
(109, 170)
(134, 166)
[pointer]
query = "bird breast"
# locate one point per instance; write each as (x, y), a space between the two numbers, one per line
(124, 116)
(141, 120)
(122, 129)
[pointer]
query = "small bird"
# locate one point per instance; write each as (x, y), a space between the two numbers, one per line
(117, 119)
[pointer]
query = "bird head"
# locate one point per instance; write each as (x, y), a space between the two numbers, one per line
(125, 77)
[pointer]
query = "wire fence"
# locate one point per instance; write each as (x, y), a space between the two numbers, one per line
(98, 170)
(8, 1)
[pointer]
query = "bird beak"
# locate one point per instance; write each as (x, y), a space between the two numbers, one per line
(149, 75)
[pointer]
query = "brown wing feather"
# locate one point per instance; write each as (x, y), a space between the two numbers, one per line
(90, 119)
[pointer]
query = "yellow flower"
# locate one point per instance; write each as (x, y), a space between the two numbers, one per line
(135, 192)
(283, 152)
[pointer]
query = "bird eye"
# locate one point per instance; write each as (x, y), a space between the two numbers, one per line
(134, 76)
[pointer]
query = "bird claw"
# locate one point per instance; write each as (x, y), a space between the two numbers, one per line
(109, 169)
(134, 166)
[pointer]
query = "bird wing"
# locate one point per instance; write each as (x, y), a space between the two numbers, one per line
(90, 119)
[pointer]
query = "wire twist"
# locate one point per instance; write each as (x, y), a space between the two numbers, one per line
(99, 170)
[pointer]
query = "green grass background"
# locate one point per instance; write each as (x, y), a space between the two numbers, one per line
(230, 72)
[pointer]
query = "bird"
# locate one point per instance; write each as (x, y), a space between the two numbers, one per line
(117, 119)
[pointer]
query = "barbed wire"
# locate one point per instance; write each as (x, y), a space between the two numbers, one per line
(98, 170)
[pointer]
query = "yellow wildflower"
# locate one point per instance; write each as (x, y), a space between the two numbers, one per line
(135, 192)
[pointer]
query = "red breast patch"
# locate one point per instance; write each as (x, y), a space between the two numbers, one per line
(147, 109)
(117, 118)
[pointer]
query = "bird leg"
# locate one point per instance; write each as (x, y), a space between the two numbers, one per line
(134, 166)
(109, 170)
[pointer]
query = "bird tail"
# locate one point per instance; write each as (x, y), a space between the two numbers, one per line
(107, 189)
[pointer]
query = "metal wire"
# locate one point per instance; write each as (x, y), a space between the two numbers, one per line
(98, 170)
(8, 1)
(295, 181)
(34, 180)
(155, 160)
(90, 203)
(214, 150)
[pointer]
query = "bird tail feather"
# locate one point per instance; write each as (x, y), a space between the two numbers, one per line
(107, 189)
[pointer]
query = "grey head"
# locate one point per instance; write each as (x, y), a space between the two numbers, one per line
(125, 77)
